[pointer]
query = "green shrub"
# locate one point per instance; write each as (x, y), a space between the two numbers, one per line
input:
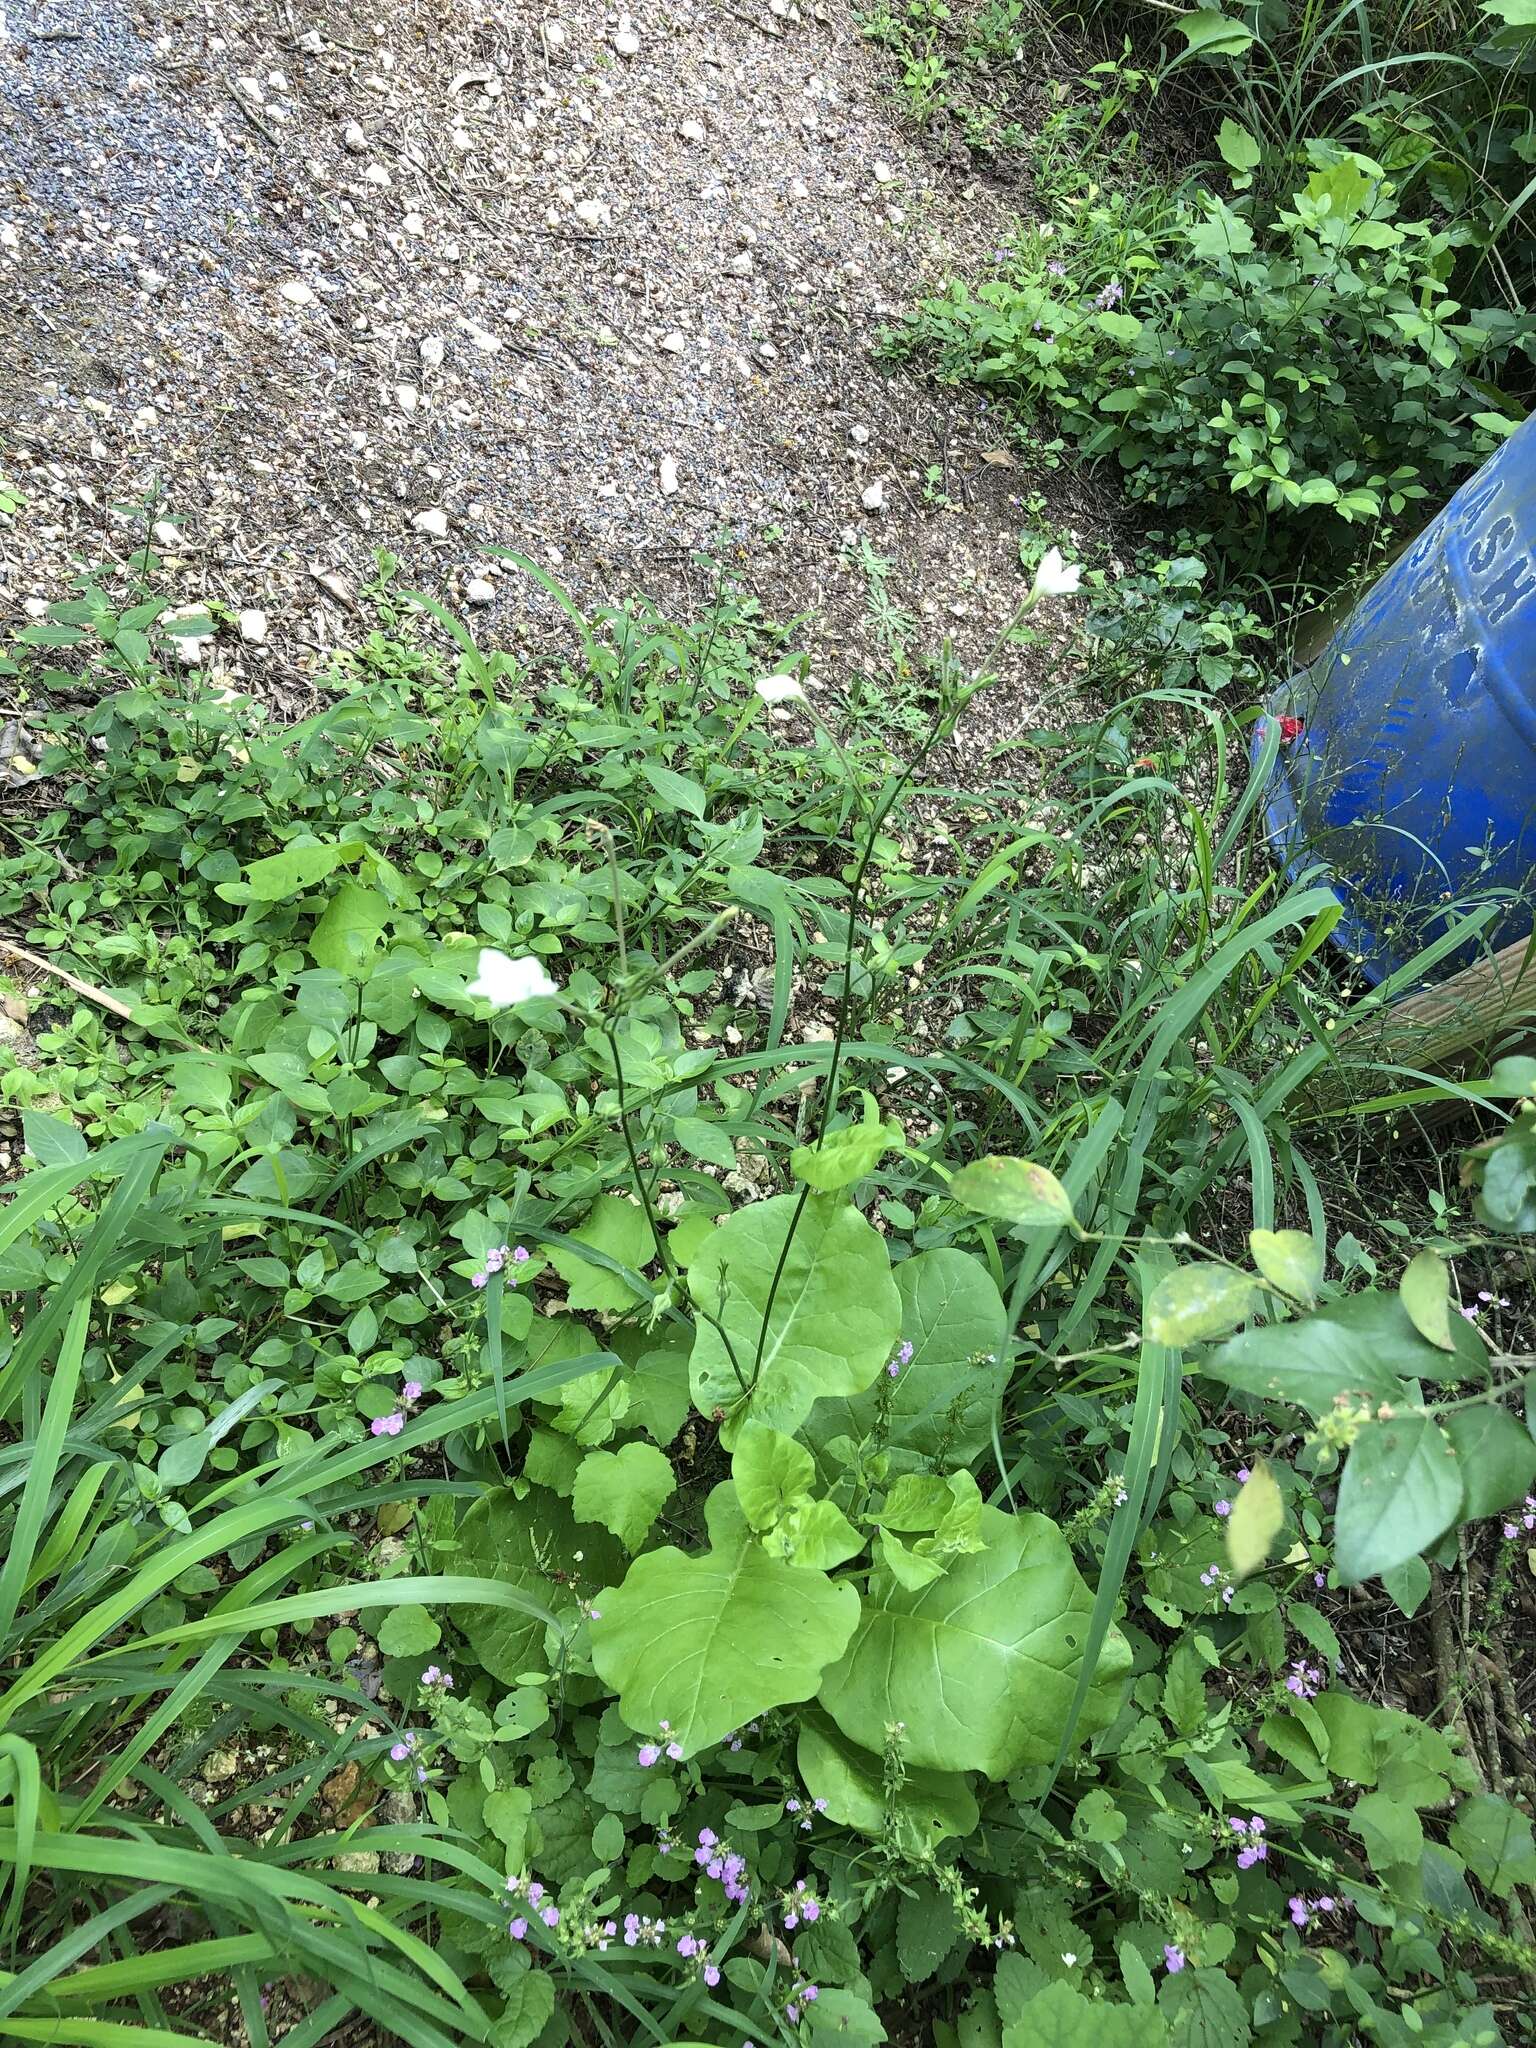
(1305, 361)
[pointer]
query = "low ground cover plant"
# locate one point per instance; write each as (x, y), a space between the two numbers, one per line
(568, 1478)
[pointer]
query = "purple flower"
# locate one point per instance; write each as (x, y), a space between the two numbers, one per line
(411, 1391)
(711, 1975)
(1243, 1475)
(675, 1751)
(1299, 1912)
(551, 1916)
(1173, 1958)
(648, 1753)
(433, 1677)
(1223, 1508)
(399, 1751)
(518, 1928)
(1056, 268)
(520, 1255)
(478, 1279)
(687, 1945)
(535, 1892)
(387, 1425)
(1319, 1578)
(1305, 1680)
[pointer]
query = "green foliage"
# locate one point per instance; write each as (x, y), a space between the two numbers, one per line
(1240, 356)
(820, 1562)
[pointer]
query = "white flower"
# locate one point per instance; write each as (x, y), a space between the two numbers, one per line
(503, 982)
(1055, 578)
(780, 690)
(1066, 1955)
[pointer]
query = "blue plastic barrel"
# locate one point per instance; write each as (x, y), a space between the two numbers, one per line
(1411, 781)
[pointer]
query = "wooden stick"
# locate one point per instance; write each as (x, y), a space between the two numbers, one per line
(1433, 1030)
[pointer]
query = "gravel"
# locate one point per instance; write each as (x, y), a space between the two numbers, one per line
(599, 288)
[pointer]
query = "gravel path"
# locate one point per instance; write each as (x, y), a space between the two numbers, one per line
(596, 287)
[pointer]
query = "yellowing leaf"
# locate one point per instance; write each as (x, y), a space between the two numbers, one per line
(1256, 1519)
(1425, 1289)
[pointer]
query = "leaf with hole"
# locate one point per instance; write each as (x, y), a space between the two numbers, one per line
(1195, 1303)
(1015, 1191)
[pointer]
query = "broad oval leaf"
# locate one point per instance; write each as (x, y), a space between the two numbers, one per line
(1291, 1260)
(832, 1325)
(522, 1543)
(1401, 1488)
(1426, 1295)
(1210, 33)
(1195, 1303)
(1015, 1191)
(1361, 1350)
(932, 1804)
(624, 1490)
(1497, 1458)
(980, 1665)
(706, 1642)
(940, 1404)
(847, 1155)
(1257, 1516)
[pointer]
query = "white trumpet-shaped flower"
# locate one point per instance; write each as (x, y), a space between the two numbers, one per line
(503, 982)
(780, 690)
(1055, 577)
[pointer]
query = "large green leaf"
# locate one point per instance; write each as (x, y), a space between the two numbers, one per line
(1496, 1456)
(847, 1155)
(1015, 1191)
(831, 1326)
(1061, 2016)
(706, 1642)
(1362, 1349)
(928, 1804)
(625, 1490)
(524, 1543)
(1194, 1303)
(1402, 1487)
(981, 1665)
(940, 1405)
(617, 1228)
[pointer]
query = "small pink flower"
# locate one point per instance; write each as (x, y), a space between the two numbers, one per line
(518, 1928)
(387, 1425)
(411, 1391)
(1173, 1958)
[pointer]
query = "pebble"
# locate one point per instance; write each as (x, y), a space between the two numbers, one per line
(480, 590)
(253, 626)
(859, 434)
(741, 266)
(872, 498)
(165, 534)
(377, 175)
(627, 43)
(297, 293)
(554, 34)
(692, 131)
(430, 349)
(406, 396)
(668, 476)
(153, 281)
(592, 213)
(673, 343)
(433, 522)
(884, 175)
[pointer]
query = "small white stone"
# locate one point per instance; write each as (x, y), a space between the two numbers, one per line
(884, 175)
(414, 224)
(430, 349)
(554, 34)
(462, 141)
(377, 175)
(165, 534)
(673, 343)
(741, 266)
(253, 626)
(480, 590)
(859, 434)
(152, 281)
(433, 522)
(668, 476)
(798, 189)
(36, 607)
(250, 88)
(592, 213)
(873, 497)
(406, 396)
(297, 293)
(626, 42)
(692, 131)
